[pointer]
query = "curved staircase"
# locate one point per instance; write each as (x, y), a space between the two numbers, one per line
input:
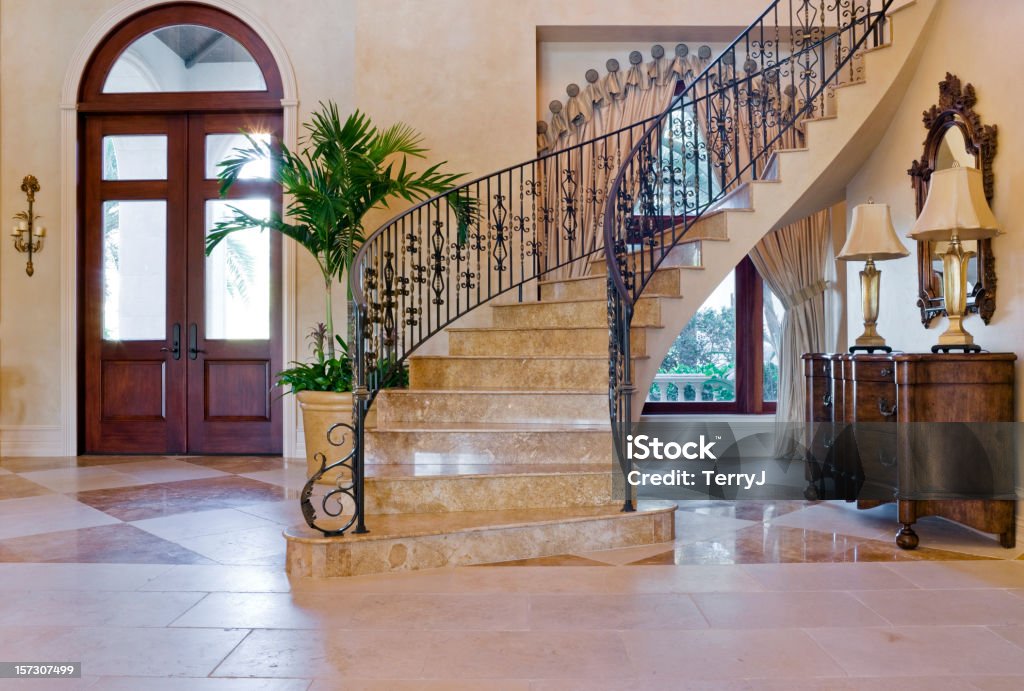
(502, 449)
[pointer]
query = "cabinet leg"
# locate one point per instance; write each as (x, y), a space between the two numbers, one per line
(906, 538)
(1009, 538)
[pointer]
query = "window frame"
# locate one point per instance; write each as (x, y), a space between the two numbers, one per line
(749, 356)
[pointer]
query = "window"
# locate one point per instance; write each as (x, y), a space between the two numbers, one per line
(726, 358)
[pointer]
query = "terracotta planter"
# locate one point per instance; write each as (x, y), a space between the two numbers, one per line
(320, 411)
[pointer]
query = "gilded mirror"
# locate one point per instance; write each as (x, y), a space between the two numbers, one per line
(956, 136)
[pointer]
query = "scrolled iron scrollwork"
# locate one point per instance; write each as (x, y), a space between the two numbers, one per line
(333, 503)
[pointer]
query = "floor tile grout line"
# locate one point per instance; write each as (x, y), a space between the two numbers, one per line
(170, 624)
(229, 654)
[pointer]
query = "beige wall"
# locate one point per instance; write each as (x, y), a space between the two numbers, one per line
(461, 71)
(973, 40)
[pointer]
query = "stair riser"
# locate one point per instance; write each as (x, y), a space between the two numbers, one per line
(454, 407)
(685, 255)
(487, 493)
(663, 283)
(489, 447)
(518, 374)
(593, 341)
(326, 558)
(647, 312)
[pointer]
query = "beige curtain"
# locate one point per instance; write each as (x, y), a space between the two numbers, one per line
(796, 263)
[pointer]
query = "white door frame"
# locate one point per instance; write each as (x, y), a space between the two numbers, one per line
(69, 207)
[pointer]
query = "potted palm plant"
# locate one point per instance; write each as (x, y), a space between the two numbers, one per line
(339, 172)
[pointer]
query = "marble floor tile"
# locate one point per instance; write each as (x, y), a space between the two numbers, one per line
(720, 654)
(199, 523)
(167, 470)
(199, 684)
(164, 499)
(117, 577)
(650, 611)
(77, 479)
(18, 464)
(627, 555)
(333, 655)
(422, 685)
(693, 527)
(783, 610)
(759, 545)
(1011, 632)
(971, 607)
(362, 612)
(219, 578)
(284, 512)
(888, 551)
(526, 654)
(145, 652)
(120, 543)
(46, 514)
(913, 651)
(554, 560)
(292, 476)
(844, 518)
(834, 576)
(939, 533)
(759, 511)
(238, 464)
(238, 546)
(17, 487)
(93, 608)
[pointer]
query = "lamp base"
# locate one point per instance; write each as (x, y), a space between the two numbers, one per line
(870, 348)
(965, 347)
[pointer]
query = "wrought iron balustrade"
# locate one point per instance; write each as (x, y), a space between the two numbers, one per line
(632, 194)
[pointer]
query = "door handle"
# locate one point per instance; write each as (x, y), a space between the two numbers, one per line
(193, 342)
(175, 349)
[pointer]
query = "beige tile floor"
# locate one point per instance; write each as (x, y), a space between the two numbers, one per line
(169, 577)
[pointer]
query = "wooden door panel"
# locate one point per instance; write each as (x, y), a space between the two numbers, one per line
(237, 391)
(134, 390)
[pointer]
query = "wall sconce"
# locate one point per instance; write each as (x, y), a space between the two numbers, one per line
(28, 238)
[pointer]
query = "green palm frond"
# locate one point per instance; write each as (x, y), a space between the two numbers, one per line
(341, 170)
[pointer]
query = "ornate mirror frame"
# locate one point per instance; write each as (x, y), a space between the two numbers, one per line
(955, 109)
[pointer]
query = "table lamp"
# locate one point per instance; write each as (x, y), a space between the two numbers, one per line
(872, 238)
(956, 209)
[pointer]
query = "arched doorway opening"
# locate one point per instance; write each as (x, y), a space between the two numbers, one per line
(176, 349)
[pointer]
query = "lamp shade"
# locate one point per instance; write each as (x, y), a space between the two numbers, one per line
(872, 236)
(956, 202)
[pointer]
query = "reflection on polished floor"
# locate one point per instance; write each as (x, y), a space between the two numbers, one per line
(173, 568)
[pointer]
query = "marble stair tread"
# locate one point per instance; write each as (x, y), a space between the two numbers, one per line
(414, 471)
(405, 542)
(498, 405)
(485, 427)
(387, 527)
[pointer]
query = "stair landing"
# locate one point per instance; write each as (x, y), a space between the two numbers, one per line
(405, 542)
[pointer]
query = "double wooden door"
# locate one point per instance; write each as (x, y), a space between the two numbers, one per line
(178, 350)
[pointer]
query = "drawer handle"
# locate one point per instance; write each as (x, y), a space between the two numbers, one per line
(883, 403)
(826, 400)
(886, 372)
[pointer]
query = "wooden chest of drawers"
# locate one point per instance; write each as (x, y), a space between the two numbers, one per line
(918, 429)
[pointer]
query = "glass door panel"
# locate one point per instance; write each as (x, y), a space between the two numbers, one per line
(238, 275)
(135, 157)
(221, 147)
(134, 270)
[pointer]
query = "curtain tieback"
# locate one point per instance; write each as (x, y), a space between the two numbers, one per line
(804, 294)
